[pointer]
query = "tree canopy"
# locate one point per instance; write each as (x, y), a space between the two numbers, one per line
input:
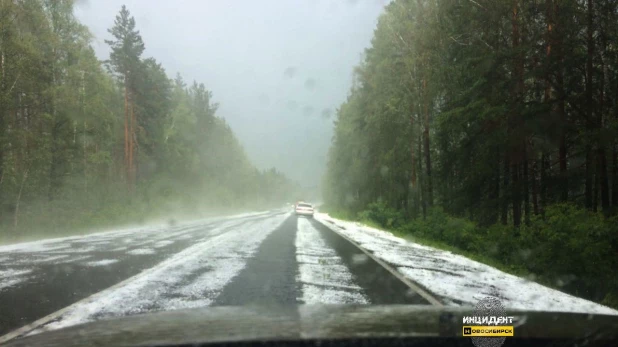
(86, 143)
(502, 114)
(492, 110)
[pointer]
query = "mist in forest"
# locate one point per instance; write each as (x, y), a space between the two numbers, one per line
(122, 112)
(278, 69)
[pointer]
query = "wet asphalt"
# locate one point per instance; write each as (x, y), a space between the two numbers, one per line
(270, 276)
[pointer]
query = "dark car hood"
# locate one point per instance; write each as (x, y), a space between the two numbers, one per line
(251, 323)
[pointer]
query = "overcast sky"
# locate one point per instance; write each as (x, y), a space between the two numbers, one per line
(278, 68)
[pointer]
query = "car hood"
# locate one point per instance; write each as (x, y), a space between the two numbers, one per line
(308, 322)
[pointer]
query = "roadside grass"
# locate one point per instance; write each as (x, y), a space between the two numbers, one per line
(569, 250)
(481, 258)
(406, 235)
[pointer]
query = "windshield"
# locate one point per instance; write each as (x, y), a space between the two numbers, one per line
(452, 151)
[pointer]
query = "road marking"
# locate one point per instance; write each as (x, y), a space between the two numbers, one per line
(322, 276)
(413, 286)
(40, 323)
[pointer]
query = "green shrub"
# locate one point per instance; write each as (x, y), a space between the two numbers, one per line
(380, 213)
(569, 247)
(575, 248)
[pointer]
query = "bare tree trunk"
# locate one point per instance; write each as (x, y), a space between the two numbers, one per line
(526, 189)
(516, 195)
(21, 188)
(590, 107)
(535, 187)
(615, 176)
(505, 199)
(2, 124)
(85, 160)
(615, 157)
(595, 191)
(54, 181)
(543, 184)
(412, 155)
(426, 144)
(131, 147)
(422, 192)
(126, 130)
(494, 195)
(588, 180)
(556, 37)
(603, 184)
(413, 185)
(517, 151)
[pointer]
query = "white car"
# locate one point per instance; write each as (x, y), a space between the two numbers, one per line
(304, 209)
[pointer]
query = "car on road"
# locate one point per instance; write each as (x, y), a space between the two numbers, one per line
(304, 209)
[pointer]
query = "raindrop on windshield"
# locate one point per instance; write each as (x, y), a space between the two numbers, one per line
(289, 72)
(310, 84)
(292, 105)
(308, 110)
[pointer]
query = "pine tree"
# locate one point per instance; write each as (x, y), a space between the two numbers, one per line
(126, 50)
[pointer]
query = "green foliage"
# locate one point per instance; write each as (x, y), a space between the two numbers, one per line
(337, 212)
(571, 249)
(380, 213)
(63, 161)
(439, 226)
(489, 126)
(575, 248)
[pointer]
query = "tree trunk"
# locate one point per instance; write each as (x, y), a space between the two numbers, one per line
(426, 144)
(54, 175)
(601, 157)
(54, 181)
(604, 184)
(535, 187)
(126, 131)
(131, 146)
(516, 197)
(615, 156)
(515, 127)
(595, 191)
(494, 195)
(85, 159)
(590, 108)
(526, 189)
(505, 199)
(543, 184)
(2, 124)
(413, 186)
(615, 176)
(423, 195)
(21, 188)
(412, 156)
(560, 106)
(84, 152)
(588, 180)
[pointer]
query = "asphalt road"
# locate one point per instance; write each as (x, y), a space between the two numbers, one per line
(272, 258)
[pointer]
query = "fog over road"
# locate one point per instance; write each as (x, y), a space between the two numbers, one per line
(258, 258)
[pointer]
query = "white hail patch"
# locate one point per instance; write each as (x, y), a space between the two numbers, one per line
(322, 274)
(141, 251)
(12, 277)
(193, 277)
(103, 262)
(456, 278)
